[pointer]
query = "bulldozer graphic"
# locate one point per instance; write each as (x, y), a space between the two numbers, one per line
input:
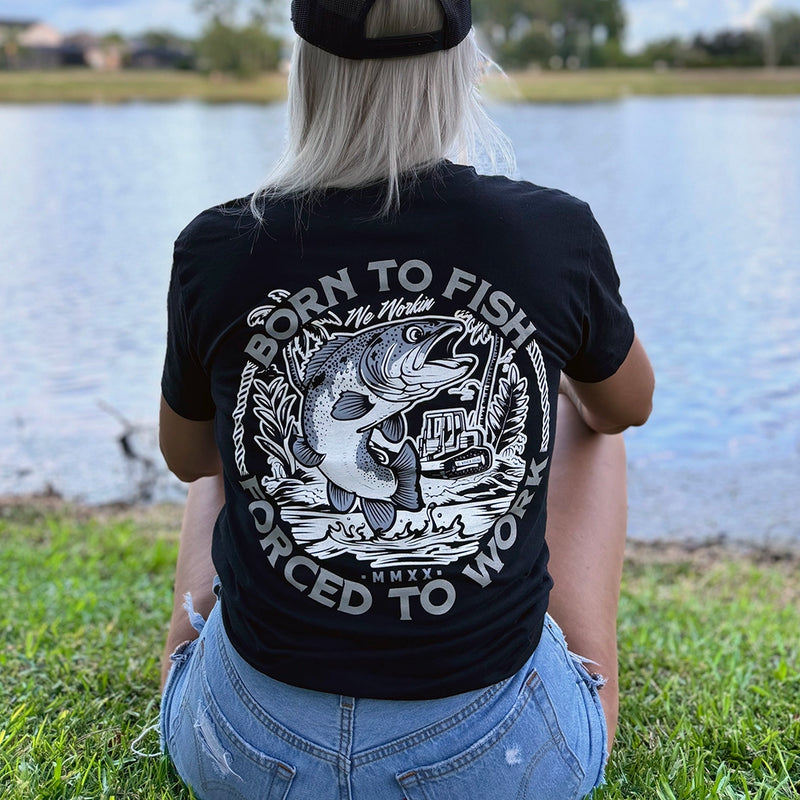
(448, 448)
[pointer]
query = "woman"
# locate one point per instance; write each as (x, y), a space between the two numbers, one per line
(365, 363)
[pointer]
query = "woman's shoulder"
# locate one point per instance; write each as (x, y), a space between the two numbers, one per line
(532, 195)
(221, 223)
(509, 200)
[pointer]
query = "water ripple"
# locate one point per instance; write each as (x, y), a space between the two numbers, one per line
(699, 197)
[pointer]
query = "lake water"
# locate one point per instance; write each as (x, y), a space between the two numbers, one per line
(699, 197)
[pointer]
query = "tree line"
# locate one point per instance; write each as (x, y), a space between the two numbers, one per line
(550, 34)
(590, 33)
(775, 43)
(241, 37)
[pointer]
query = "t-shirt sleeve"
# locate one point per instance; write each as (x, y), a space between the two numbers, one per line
(607, 329)
(184, 382)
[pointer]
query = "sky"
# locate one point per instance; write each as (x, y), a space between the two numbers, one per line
(647, 19)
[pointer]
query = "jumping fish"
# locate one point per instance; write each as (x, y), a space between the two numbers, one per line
(355, 389)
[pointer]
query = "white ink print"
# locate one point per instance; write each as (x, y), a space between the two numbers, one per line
(355, 390)
(355, 467)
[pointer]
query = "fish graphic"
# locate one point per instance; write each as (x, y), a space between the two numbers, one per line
(355, 389)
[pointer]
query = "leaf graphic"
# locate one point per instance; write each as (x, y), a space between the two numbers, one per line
(273, 406)
(508, 412)
(258, 316)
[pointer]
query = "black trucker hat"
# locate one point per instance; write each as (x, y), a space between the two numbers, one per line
(338, 27)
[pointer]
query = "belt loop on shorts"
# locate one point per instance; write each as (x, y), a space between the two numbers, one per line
(347, 706)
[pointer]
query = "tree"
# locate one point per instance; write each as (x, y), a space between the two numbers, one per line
(527, 30)
(220, 11)
(782, 38)
(534, 47)
(728, 49)
(672, 52)
(227, 45)
(607, 14)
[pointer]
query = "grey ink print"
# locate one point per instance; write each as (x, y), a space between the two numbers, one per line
(393, 437)
(355, 390)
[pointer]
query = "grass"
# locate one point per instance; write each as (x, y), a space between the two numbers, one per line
(90, 86)
(85, 602)
(710, 678)
(83, 85)
(709, 651)
(616, 84)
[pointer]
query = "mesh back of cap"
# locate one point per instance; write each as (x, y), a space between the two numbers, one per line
(337, 26)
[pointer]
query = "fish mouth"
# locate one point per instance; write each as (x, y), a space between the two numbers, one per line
(422, 354)
(425, 368)
(418, 365)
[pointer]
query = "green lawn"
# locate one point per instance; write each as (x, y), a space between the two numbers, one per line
(90, 86)
(710, 656)
(615, 84)
(84, 85)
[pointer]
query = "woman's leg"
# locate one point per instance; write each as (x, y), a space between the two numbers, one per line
(195, 571)
(587, 514)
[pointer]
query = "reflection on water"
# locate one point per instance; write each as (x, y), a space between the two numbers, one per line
(699, 197)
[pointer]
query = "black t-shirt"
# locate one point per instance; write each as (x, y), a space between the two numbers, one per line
(384, 397)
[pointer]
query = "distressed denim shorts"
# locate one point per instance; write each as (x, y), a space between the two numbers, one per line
(234, 733)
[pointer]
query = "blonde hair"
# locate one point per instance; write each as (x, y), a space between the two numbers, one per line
(353, 123)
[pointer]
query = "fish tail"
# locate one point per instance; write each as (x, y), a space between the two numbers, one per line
(379, 514)
(340, 499)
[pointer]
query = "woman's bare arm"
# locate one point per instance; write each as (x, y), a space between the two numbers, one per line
(195, 570)
(188, 447)
(617, 403)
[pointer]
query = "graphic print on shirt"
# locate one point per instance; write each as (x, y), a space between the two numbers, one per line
(355, 391)
(391, 434)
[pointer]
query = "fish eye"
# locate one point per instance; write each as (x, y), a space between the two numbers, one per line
(413, 334)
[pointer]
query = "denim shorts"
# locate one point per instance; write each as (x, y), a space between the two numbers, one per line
(234, 733)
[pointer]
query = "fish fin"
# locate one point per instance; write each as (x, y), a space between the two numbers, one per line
(340, 499)
(306, 454)
(394, 428)
(380, 514)
(351, 405)
(406, 467)
(314, 364)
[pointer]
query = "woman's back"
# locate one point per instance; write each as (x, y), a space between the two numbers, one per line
(384, 391)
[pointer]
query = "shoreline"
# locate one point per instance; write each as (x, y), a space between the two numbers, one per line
(164, 518)
(83, 85)
(752, 502)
